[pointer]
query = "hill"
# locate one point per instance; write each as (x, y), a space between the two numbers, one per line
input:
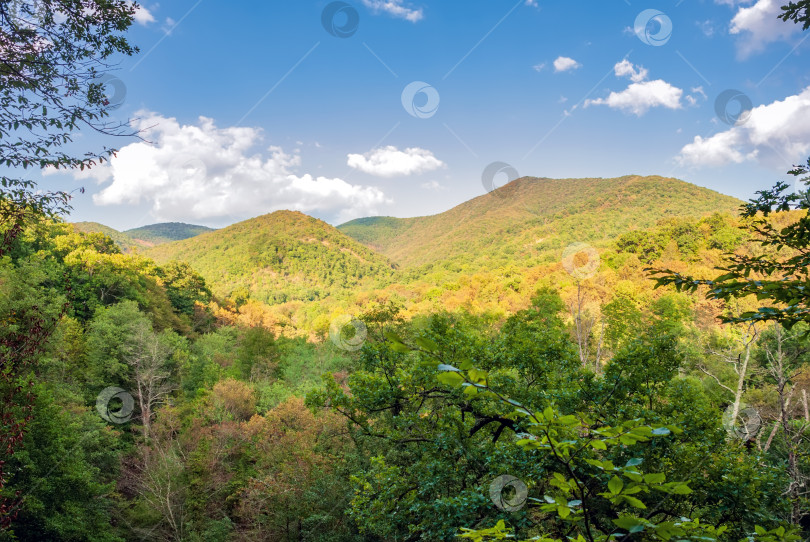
(124, 241)
(528, 219)
(279, 257)
(145, 236)
(157, 234)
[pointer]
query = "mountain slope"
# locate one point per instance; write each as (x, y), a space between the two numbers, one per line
(157, 234)
(145, 236)
(530, 218)
(124, 241)
(278, 257)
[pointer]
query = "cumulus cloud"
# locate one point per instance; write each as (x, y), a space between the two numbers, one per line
(772, 134)
(564, 64)
(625, 68)
(392, 162)
(142, 16)
(395, 8)
(199, 171)
(758, 26)
(641, 95)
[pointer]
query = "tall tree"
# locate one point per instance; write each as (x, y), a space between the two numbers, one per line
(52, 55)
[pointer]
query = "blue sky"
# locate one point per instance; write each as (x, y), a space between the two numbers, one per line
(250, 107)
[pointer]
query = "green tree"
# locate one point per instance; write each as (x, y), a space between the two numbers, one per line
(184, 286)
(48, 94)
(779, 277)
(66, 474)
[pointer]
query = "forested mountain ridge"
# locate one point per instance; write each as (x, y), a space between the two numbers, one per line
(532, 215)
(144, 236)
(487, 254)
(166, 232)
(278, 257)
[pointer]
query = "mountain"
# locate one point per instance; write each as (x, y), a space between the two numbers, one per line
(124, 241)
(531, 218)
(279, 257)
(166, 232)
(145, 236)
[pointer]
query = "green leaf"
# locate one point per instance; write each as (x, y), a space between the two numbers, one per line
(567, 420)
(681, 489)
(598, 445)
(426, 344)
(392, 337)
(632, 501)
(477, 375)
(615, 485)
(655, 478)
(628, 522)
(451, 379)
(400, 348)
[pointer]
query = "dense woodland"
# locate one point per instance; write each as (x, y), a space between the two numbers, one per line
(284, 380)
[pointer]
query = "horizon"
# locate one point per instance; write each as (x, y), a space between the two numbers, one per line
(338, 225)
(399, 108)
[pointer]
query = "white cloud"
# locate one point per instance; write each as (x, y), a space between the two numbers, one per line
(641, 95)
(758, 26)
(436, 186)
(697, 94)
(395, 8)
(143, 16)
(392, 162)
(199, 171)
(563, 64)
(532, 3)
(539, 67)
(626, 68)
(775, 133)
(732, 3)
(706, 27)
